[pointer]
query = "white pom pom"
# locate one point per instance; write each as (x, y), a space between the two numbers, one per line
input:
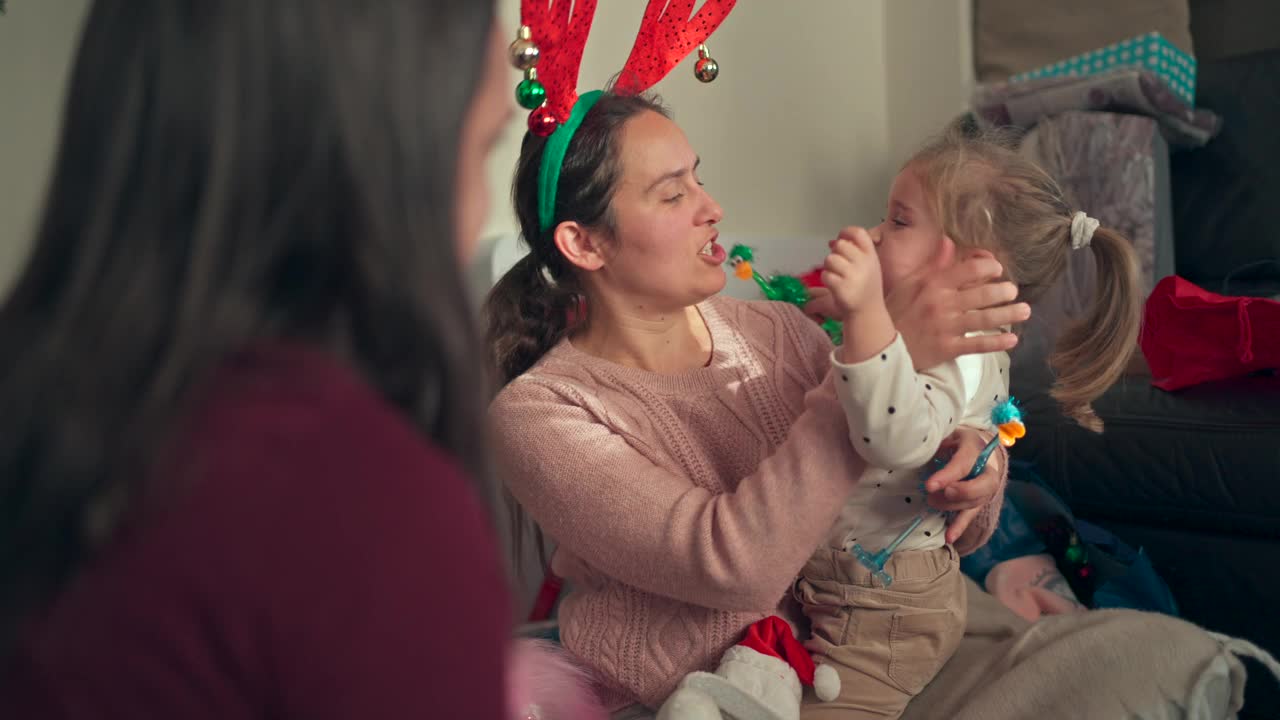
(826, 683)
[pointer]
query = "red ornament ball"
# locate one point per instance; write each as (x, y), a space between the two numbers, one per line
(542, 122)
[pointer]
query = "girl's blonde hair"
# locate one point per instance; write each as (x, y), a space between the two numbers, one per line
(985, 195)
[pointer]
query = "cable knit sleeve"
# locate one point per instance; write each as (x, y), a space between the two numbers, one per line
(588, 487)
(815, 346)
(992, 385)
(984, 525)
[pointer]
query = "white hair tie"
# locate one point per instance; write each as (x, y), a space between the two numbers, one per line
(1082, 227)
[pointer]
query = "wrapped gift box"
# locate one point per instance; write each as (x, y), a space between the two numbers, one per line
(1151, 51)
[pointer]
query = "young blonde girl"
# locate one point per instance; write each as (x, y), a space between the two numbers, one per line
(958, 196)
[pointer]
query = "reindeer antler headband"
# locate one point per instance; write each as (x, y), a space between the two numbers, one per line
(549, 51)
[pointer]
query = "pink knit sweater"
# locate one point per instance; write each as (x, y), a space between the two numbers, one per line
(683, 505)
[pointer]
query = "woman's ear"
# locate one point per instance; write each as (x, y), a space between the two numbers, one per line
(581, 247)
(945, 257)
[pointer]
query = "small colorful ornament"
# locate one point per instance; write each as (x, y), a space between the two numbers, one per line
(542, 122)
(1075, 551)
(780, 288)
(706, 68)
(668, 33)
(530, 93)
(523, 53)
(1072, 556)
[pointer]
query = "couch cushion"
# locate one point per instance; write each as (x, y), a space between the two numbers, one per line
(1205, 458)
(1231, 28)
(1216, 580)
(1224, 194)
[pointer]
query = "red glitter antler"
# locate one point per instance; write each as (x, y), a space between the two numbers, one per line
(561, 35)
(667, 35)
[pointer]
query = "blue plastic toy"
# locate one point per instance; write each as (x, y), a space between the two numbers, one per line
(1009, 429)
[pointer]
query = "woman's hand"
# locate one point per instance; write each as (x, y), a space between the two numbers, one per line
(949, 491)
(934, 308)
(821, 305)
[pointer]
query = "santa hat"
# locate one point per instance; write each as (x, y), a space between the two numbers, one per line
(772, 637)
(760, 678)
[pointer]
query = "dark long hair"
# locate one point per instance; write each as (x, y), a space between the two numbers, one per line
(230, 172)
(528, 310)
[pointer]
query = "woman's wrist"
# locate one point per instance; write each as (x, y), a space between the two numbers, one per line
(998, 457)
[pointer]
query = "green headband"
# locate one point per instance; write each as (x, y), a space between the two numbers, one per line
(553, 157)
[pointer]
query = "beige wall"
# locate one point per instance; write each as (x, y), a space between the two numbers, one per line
(929, 69)
(37, 38)
(792, 134)
(817, 103)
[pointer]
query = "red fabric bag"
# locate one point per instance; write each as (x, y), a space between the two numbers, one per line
(1192, 336)
(813, 278)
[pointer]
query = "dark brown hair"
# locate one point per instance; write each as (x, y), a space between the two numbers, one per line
(535, 303)
(230, 172)
(529, 309)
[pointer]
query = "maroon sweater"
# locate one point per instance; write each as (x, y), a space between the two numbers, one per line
(326, 562)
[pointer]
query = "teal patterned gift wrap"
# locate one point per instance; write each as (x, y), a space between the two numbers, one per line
(1151, 52)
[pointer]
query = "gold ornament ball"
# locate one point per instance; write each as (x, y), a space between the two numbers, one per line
(524, 54)
(706, 69)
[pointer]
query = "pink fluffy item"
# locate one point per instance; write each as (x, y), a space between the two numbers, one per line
(761, 678)
(543, 683)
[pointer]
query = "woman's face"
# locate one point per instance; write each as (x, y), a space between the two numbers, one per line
(664, 254)
(487, 116)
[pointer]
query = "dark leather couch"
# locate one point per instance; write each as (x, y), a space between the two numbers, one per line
(1194, 476)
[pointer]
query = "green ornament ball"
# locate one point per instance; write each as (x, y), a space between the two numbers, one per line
(1076, 554)
(530, 94)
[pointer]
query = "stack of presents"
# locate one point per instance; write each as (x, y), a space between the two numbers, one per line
(1159, 118)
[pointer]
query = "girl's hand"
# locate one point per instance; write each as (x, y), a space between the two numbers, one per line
(852, 273)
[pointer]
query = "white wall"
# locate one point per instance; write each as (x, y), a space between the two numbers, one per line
(37, 39)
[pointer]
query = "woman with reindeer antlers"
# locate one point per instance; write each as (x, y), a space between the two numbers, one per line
(686, 451)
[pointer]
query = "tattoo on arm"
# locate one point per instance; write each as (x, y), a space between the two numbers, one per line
(1053, 581)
